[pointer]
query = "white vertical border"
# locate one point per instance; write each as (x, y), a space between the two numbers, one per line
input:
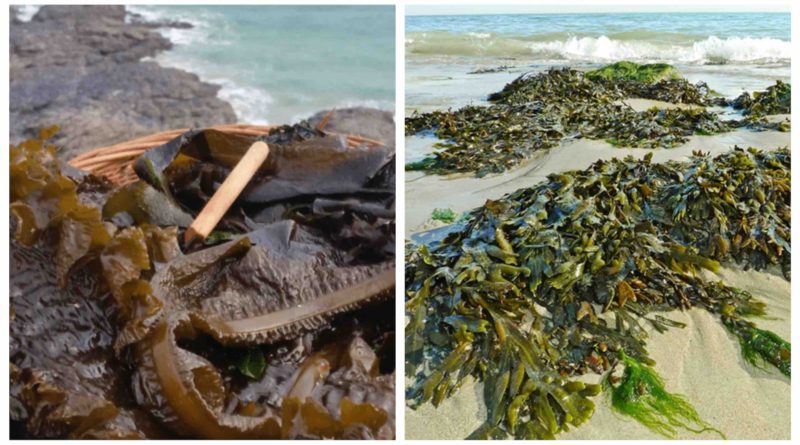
(795, 416)
(400, 219)
(5, 294)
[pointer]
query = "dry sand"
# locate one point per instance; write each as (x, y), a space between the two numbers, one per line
(702, 361)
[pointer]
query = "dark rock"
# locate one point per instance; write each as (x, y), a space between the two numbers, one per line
(80, 67)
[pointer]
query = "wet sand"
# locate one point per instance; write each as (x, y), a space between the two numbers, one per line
(702, 361)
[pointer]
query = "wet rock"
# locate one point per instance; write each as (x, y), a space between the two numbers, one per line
(81, 67)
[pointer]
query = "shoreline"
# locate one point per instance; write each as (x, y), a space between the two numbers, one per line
(109, 95)
(438, 84)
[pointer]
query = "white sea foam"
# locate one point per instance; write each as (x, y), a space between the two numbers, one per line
(737, 49)
(250, 103)
(710, 50)
(241, 84)
(603, 48)
(202, 23)
(26, 12)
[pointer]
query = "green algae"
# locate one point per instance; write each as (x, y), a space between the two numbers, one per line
(625, 70)
(761, 347)
(447, 216)
(253, 364)
(641, 395)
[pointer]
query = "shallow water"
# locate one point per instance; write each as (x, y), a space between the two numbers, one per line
(279, 64)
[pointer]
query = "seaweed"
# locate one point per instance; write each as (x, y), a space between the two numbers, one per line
(640, 394)
(624, 70)
(776, 99)
(536, 112)
(555, 281)
(446, 216)
(142, 337)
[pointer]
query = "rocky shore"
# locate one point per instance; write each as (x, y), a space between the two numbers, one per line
(81, 67)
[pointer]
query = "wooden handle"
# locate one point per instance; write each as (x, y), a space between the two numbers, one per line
(224, 197)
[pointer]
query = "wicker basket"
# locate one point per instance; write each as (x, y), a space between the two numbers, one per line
(115, 162)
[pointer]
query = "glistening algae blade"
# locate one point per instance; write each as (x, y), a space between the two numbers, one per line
(552, 282)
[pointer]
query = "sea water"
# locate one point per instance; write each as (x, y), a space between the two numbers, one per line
(280, 64)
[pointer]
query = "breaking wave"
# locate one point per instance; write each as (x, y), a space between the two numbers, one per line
(667, 48)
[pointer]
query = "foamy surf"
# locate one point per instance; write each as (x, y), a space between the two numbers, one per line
(26, 12)
(710, 50)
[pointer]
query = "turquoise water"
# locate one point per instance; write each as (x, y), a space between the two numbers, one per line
(698, 38)
(278, 64)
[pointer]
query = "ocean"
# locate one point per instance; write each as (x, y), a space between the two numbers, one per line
(692, 38)
(280, 64)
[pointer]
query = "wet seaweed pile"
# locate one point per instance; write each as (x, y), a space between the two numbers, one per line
(777, 99)
(538, 111)
(563, 279)
(279, 325)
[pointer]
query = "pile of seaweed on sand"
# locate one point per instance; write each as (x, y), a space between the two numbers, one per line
(278, 325)
(538, 111)
(559, 280)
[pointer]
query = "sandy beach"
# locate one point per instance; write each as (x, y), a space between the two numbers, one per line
(702, 361)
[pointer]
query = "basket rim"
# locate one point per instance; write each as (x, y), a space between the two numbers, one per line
(156, 139)
(115, 161)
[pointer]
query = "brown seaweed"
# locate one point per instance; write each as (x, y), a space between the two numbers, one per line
(301, 162)
(776, 99)
(148, 296)
(514, 295)
(536, 112)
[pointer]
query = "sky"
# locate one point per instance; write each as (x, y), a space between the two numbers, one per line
(547, 9)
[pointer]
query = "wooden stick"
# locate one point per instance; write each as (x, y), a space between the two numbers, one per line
(325, 119)
(223, 198)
